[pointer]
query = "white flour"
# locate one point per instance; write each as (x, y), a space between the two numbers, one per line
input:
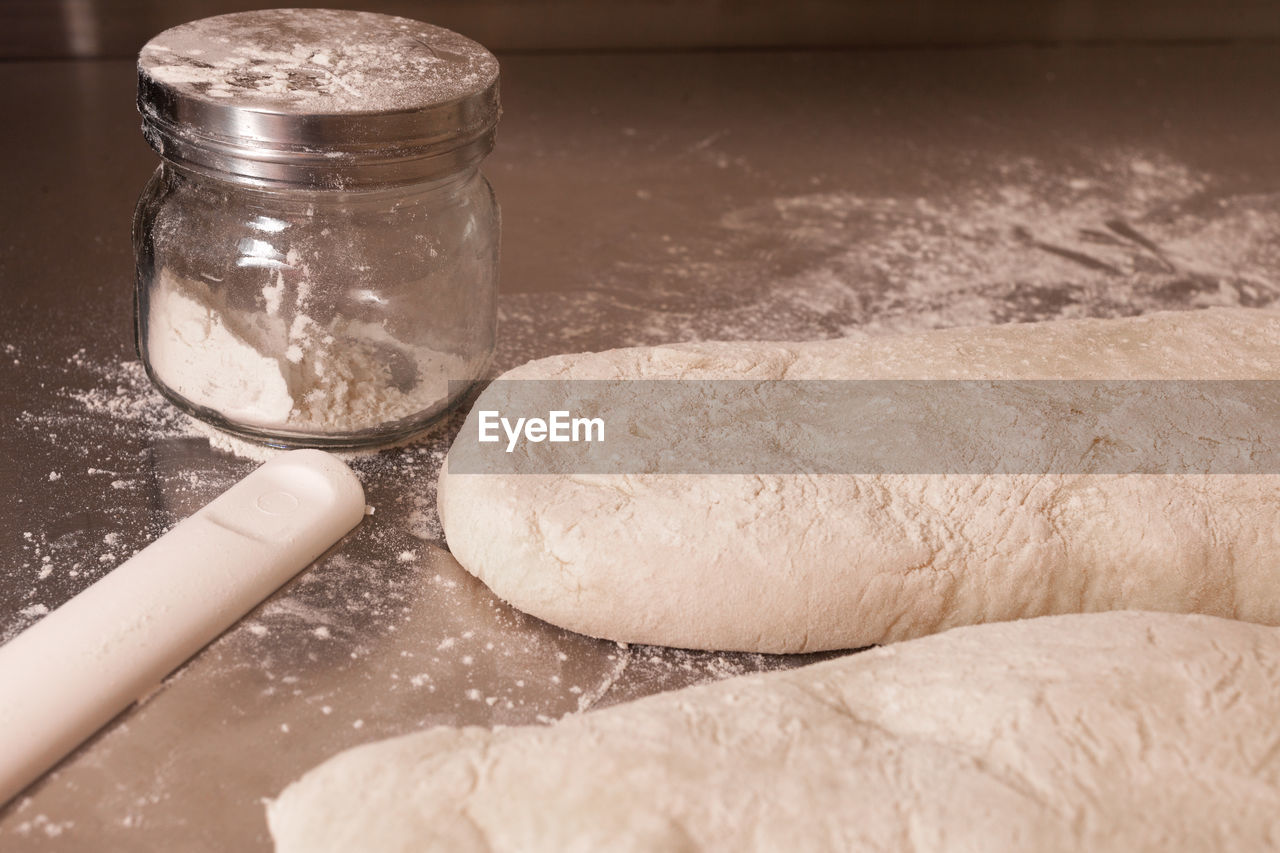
(196, 354)
(276, 366)
(1124, 232)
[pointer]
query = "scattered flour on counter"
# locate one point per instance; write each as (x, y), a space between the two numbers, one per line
(43, 825)
(1123, 232)
(589, 698)
(233, 445)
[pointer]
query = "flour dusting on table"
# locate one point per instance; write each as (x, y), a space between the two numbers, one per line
(1127, 233)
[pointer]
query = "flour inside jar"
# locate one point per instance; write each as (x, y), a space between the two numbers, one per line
(280, 366)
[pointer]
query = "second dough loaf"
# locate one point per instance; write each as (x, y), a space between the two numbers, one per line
(1100, 732)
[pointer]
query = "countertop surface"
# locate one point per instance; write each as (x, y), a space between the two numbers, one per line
(646, 198)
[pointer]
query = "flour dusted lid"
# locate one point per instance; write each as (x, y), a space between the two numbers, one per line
(318, 97)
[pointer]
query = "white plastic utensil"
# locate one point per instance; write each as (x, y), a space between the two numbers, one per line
(70, 673)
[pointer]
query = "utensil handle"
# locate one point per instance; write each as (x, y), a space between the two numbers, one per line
(69, 674)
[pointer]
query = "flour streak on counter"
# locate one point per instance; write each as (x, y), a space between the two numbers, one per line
(1124, 232)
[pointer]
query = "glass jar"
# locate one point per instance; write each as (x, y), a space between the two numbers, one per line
(317, 254)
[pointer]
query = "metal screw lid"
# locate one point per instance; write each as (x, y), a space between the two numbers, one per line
(318, 98)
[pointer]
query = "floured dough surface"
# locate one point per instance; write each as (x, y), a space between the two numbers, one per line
(791, 563)
(1104, 732)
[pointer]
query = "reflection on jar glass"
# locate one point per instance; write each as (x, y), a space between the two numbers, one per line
(316, 265)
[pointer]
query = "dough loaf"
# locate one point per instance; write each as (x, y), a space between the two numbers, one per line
(1103, 732)
(797, 563)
